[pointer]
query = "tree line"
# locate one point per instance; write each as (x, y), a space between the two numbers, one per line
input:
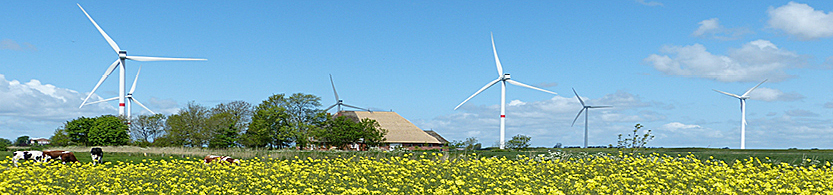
(281, 121)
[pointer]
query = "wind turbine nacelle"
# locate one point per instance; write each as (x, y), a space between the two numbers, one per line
(506, 76)
(122, 54)
(340, 101)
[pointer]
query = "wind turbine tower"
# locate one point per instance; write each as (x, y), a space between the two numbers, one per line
(120, 63)
(584, 107)
(742, 99)
(503, 79)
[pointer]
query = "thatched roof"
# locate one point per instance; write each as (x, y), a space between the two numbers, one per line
(400, 130)
(436, 136)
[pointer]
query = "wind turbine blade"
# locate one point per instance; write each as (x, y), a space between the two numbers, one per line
(579, 98)
(334, 88)
(104, 100)
(331, 107)
(579, 114)
(753, 88)
(497, 61)
(133, 88)
(354, 107)
(143, 106)
(478, 92)
(103, 77)
(109, 40)
(528, 86)
(148, 59)
(599, 106)
(729, 94)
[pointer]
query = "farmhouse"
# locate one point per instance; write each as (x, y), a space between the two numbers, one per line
(38, 141)
(401, 132)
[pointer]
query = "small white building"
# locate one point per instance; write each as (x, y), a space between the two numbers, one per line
(38, 141)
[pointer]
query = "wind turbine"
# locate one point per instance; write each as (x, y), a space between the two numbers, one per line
(120, 64)
(584, 107)
(339, 102)
(742, 99)
(129, 97)
(503, 78)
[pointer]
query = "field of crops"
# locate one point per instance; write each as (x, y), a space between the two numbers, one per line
(424, 173)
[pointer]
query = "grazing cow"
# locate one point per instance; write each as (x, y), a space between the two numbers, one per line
(96, 153)
(52, 154)
(220, 159)
(27, 155)
(68, 157)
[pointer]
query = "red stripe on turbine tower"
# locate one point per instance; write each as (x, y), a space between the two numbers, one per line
(502, 116)
(121, 104)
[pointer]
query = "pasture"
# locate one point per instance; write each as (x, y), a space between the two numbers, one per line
(537, 171)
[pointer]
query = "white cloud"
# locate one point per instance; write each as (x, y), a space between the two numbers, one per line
(12, 45)
(770, 95)
(516, 103)
(620, 99)
(649, 3)
(800, 113)
(801, 20)
(789, 132)
(36, 109)
(675, 126)
(691, 133)
(753, 62)
(711, 28)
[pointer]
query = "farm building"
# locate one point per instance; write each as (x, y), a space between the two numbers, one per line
(38, 141)
(401, 132)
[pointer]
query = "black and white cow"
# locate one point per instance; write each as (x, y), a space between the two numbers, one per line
(27, 155)
(97, 154)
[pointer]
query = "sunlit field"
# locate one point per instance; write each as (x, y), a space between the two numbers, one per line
(424, 173)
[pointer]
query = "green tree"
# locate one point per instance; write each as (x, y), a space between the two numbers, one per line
(79, 129)
(187, 127)
(4, 144)
(304, 117)
(146, 128)
(270, 126)
(109, 130)
(60, 138)
(635, 141)
(227, 122)
(22, 141)
(518, 142)
(341, 131)
(468, 144)
(223, 131)
(372, 133)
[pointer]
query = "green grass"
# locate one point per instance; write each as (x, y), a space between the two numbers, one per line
(790, 156)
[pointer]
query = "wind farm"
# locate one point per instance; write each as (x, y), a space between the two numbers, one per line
(417, 109)
(428, 69)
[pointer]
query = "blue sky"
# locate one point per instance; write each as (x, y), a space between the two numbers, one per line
(656, 62)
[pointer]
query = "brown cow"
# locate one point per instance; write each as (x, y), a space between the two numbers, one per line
(52, 154)
(220, 159)
(68, 157)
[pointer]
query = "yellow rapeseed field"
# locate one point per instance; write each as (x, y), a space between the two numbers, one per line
(426, 173)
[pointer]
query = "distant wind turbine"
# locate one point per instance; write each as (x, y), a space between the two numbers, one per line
(584, 107)
(503, 78)
(742, 99)
(120, 64)
(129, 97)
(340, 102)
